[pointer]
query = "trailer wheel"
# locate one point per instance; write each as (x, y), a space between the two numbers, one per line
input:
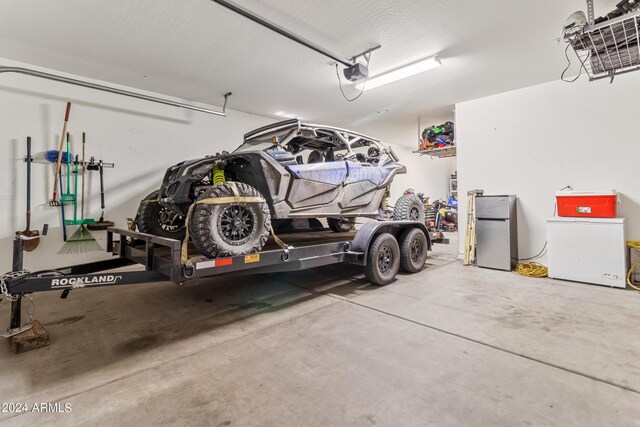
(230, 229)
(342, 224)
(155, 219)
(383, 260)
(408, 208)
(413, 250)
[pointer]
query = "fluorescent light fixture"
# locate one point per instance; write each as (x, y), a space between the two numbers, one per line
(401, 73)
(287, 115)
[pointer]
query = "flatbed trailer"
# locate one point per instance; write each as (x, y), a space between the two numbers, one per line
(372, 247)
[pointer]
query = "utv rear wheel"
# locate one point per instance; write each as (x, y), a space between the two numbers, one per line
(230, 229)
(342, 224)
(408, 208)
(155, 219)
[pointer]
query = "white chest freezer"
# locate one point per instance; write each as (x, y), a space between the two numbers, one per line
(589, 250)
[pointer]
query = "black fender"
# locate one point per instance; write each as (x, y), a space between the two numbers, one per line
(370, 230)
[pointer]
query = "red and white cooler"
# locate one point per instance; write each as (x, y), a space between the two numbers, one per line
(587, 204)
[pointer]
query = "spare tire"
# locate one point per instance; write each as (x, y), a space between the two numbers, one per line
(155, 219)
(230, 229)
(409, 208)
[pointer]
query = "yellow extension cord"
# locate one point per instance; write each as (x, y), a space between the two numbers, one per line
(635, 245)
(532, 269)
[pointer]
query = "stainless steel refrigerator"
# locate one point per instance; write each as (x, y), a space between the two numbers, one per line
(496, 232)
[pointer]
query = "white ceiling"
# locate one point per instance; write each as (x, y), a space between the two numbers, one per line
(198, 50)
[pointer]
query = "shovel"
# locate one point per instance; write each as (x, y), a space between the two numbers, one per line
(31, 239)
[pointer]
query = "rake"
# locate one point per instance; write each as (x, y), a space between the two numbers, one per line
(82, 240)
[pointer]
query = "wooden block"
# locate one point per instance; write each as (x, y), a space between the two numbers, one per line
(36, 337)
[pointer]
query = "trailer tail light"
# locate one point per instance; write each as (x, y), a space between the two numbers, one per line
(223, 261)
(214, 263)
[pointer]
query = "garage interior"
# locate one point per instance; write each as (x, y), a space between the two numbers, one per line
(496, 139)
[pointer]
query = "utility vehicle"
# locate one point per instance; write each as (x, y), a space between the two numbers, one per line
(283, 171)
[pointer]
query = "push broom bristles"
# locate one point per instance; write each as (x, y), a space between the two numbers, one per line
(80, 242)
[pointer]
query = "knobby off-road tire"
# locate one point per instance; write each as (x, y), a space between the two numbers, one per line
(409, 208)
(230, 229)
(155, 219)
(342, 224)
(383, 260)
(413, 250)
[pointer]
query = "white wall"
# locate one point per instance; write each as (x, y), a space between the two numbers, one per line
(534, 141)
(141, 137)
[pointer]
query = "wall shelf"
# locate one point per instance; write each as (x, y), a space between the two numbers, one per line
(438, 152)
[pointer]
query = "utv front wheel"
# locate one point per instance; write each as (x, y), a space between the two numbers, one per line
(342, 224)
(155, 219)
(233, 228)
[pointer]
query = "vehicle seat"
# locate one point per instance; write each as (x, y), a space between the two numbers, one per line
(330, 156)
(315, 157)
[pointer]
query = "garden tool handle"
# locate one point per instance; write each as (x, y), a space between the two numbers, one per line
(83, 170)
(101, 185)
(57, 175)
(75, 190)
(68, 163)
(28, 182)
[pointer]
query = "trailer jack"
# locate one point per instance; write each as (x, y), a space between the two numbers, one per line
(21, 337)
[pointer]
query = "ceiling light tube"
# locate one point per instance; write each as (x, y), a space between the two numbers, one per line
(287, 115)
(401, 73)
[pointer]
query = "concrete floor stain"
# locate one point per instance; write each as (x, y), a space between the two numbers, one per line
(66, 321)
(144, 342)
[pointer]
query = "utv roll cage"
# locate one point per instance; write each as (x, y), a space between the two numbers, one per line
(298, 135)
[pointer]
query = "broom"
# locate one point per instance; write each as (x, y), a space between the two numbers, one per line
(81, 241)
(50, 156)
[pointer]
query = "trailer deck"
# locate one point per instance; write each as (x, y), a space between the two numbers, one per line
(306, 250)
(163, 260)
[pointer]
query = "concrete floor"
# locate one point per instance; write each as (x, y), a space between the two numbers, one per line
(451, 345)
